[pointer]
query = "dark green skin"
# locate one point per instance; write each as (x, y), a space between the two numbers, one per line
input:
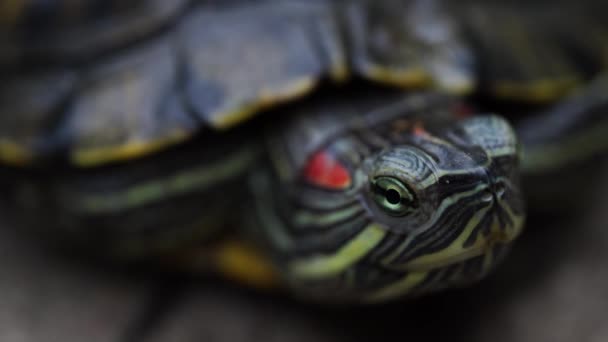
(434, 200)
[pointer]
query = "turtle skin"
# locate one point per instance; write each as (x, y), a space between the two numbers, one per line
(132, 129)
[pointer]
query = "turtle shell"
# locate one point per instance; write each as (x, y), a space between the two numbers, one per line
(100, 82)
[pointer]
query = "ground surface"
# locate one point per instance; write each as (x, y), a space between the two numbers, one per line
(553, 288)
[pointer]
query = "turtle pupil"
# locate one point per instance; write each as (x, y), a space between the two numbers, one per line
(393, 196)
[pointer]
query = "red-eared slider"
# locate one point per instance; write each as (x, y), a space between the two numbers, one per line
(350, 142)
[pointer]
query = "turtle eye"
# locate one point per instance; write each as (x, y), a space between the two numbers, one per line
(393, 196)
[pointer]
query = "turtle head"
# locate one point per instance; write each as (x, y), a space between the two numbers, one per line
(449, 202)
(413, 206)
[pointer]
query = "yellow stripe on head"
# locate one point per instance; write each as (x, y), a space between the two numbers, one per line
(329, 265)
(398, 288)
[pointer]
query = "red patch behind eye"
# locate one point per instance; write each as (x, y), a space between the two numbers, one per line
(325, 171)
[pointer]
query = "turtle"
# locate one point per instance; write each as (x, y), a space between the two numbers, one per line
(357, 152)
